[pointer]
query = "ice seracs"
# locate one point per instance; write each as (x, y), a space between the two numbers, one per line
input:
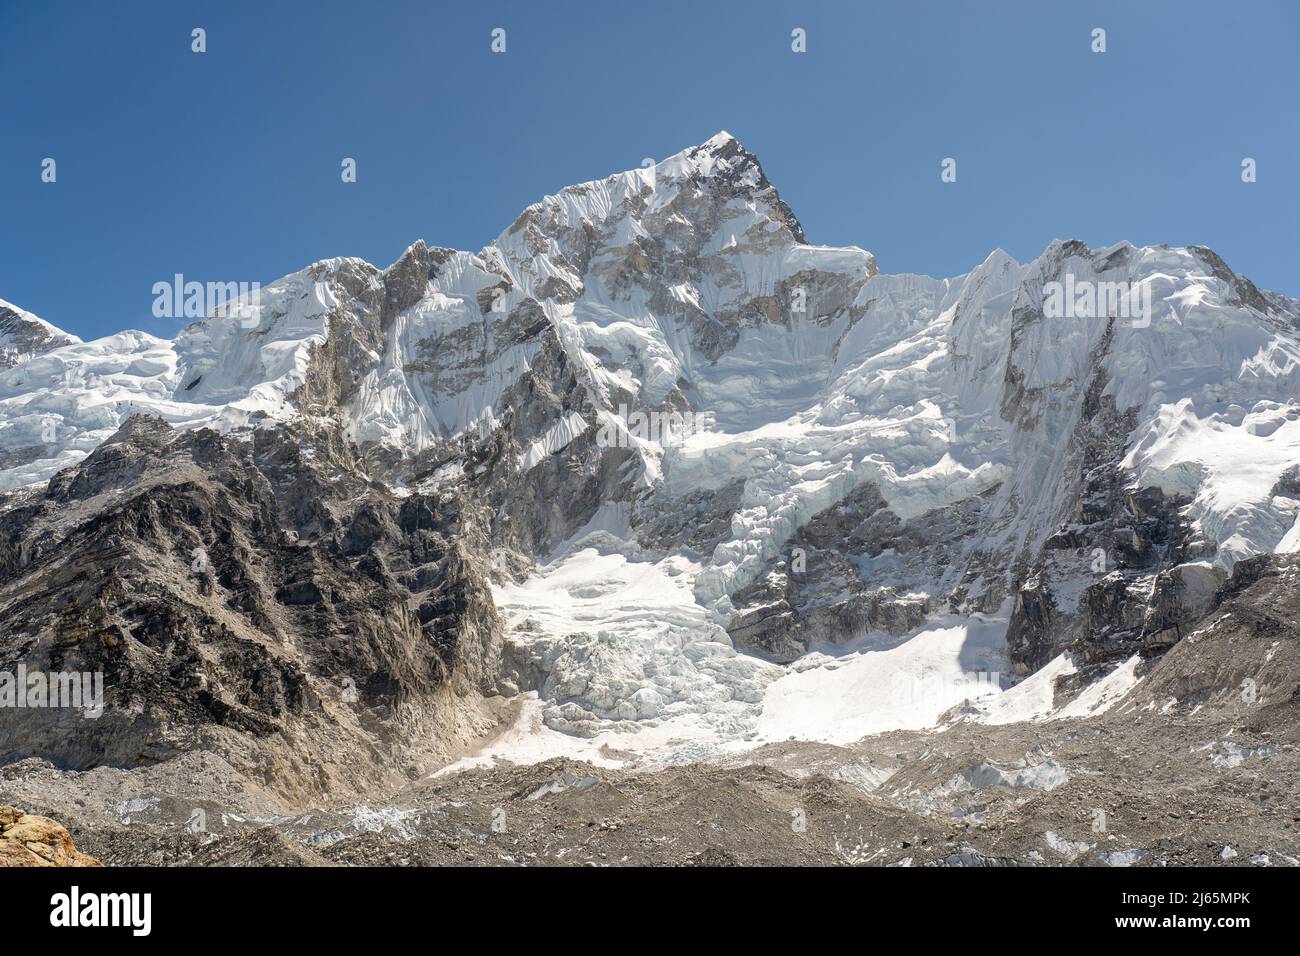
(1022, 479)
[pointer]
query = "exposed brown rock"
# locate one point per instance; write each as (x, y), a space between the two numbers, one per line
(27, 840)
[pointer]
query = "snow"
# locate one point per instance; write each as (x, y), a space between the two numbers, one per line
(620, 640)
(556, 438)
(1031, 699)
(1105, 693)
(1234, 755)
(527, 741)
(48, 327)
(901, 384)
(1044, 775)
(1122, 857)
(933, 390)
(1291, 540)
(1227, 462)
(633, 664)
(840, 700)
(220, 373)
(1066, 847)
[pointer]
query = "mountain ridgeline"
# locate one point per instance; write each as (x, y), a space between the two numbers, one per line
(282, 536)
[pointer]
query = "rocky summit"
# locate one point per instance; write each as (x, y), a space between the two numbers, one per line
(653, 533)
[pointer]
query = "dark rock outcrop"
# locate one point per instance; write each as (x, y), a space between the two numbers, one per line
(253, 594)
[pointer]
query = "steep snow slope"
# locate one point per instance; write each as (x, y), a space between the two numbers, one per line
(883, 451)
(58, 406)
(23, 335)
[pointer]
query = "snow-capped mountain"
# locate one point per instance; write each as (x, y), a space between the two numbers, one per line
(898, 476)
(23, 335)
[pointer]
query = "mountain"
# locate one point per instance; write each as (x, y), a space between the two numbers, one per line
(23, 335)
(377, 510)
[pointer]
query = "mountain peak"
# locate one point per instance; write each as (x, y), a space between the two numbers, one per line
(23, 335)
(724, 160)
(719, 155)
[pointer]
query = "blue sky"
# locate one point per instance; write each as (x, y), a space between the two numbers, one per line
(225, 166)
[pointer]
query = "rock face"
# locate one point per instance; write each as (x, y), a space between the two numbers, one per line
(1242, 655)
(315, 536)
(27, 840)
(23, 335)
(249, 594)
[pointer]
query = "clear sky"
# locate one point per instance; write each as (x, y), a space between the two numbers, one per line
(225, 166)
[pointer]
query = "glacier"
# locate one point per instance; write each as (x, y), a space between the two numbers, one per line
(977, 421)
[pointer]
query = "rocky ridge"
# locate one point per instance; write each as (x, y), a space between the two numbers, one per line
(302, 548)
